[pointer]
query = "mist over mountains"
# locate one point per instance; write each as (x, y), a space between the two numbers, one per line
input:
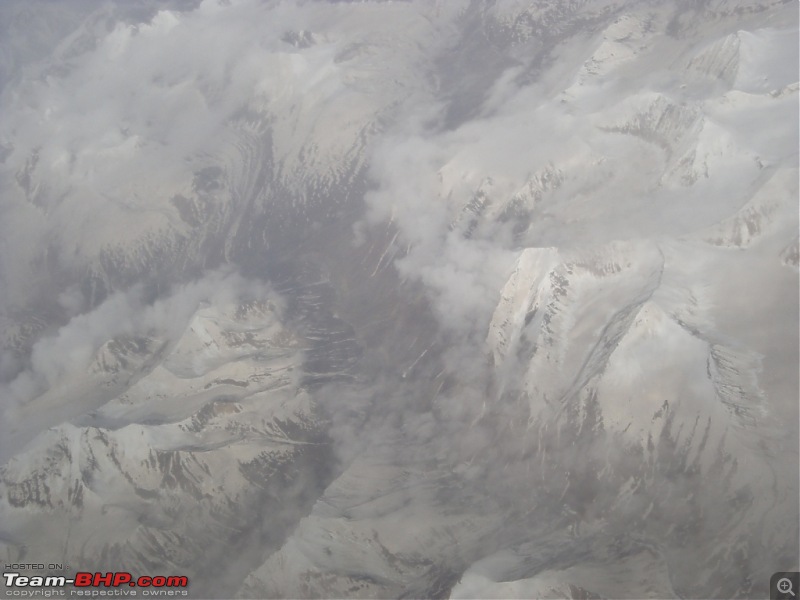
(402, 299)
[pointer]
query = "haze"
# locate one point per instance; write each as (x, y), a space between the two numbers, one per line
(402, 299)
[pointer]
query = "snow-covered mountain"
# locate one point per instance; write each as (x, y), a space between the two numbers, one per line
(402, 299)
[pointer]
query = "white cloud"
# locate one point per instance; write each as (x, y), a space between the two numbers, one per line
(68, 351)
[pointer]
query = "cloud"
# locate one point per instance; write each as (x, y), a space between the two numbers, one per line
(100, 136)
(73, 346)
(66, 354)
(462, 274)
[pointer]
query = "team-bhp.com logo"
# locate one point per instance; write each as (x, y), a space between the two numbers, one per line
(90, 584)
